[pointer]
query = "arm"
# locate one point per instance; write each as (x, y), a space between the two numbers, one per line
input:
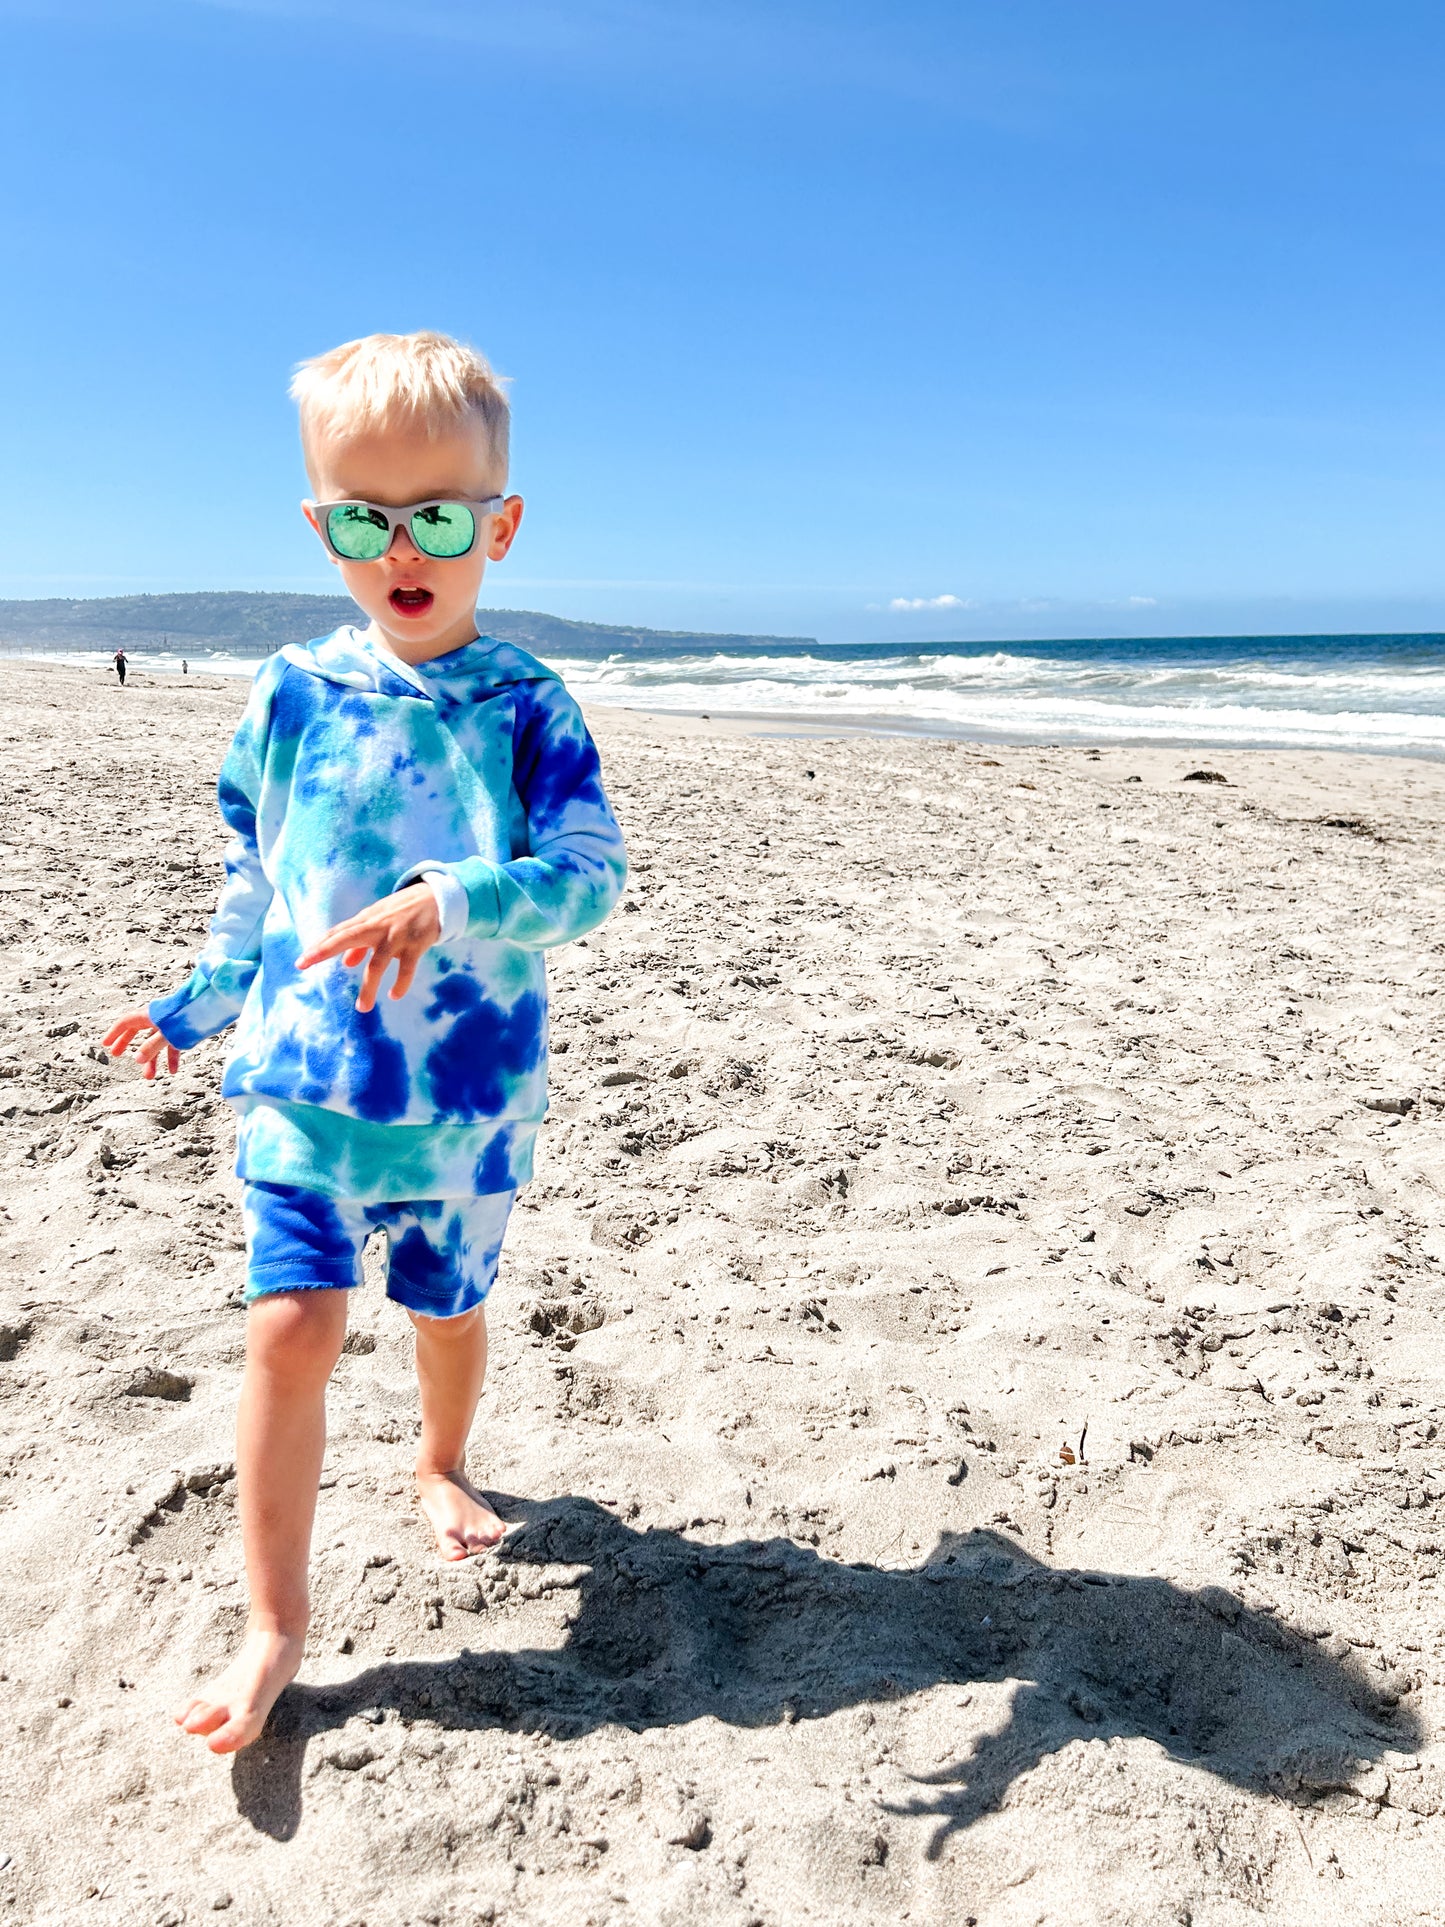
(213, 995)
(575, 864)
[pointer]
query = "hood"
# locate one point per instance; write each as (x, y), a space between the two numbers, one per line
(470, 674)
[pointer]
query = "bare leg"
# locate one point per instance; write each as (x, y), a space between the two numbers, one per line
(451, 1363)
(292, 1343)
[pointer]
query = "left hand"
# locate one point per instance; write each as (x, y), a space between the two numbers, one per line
(151, 1051)
(399, 929)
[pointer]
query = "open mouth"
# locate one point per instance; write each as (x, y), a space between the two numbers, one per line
(411, 601)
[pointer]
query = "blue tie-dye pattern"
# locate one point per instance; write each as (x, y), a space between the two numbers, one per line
(485, 1049)
(380, 1089)
(297, 1240)
(441, 1253)
(493, 1170)
(415, 1261)
(345, 781)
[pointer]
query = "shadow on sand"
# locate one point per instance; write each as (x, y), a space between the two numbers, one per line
(669, 1630)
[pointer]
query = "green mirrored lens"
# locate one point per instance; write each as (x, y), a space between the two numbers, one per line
(447, 528)
(357, 532)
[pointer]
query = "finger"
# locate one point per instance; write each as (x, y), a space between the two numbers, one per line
(173, 1059)
(405, 971)
(329, 945)
(341, 936)
(371, 979)
(120, 1033)
(357, 956)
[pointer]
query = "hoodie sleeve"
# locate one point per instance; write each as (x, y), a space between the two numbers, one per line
(575, 865)
(213, 995)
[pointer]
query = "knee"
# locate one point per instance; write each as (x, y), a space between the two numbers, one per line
(464, 1329)
(297, 1335)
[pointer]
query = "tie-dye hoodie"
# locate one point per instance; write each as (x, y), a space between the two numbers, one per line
(350, 775)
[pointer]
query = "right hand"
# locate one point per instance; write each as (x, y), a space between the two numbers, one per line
(401, 929)
(151, 1048)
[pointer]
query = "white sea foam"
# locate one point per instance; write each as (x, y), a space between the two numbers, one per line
(1007, 696)
(1342, 693)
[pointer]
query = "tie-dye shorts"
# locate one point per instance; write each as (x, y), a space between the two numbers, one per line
(441, 1252)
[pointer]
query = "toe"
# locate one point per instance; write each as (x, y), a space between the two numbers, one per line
(204, 1717)
(233, 1736)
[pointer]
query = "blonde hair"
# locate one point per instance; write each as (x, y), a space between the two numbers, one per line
(425, 377)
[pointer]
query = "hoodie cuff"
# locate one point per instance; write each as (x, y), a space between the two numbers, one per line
(451, 898)
(199, 1009)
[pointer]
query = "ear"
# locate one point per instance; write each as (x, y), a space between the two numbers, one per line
(505, 524)
(308, 509)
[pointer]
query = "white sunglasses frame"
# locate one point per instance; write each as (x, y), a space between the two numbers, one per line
(401, 517)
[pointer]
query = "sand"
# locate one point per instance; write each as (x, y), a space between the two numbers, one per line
(969, 1369)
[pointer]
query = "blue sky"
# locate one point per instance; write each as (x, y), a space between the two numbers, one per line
(977, 318)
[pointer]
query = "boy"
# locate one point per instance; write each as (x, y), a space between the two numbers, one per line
(414, 795)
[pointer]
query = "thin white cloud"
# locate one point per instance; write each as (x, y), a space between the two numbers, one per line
(903, 603)
(1143, 601)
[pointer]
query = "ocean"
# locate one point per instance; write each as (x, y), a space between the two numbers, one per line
(1380, 693)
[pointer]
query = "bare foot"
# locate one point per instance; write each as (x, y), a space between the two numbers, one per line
(458, 1514)
(230, 1712)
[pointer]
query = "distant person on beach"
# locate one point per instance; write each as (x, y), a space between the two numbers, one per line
(120, 665)
(185, 667)
(408, 794)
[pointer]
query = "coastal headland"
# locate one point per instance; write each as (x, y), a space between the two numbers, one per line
(968, 1374)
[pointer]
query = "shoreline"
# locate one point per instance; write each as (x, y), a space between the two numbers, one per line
(1380, 775)
(766, 724)
(777, 725)
(808, 723)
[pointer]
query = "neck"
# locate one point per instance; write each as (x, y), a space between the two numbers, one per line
(409, 649)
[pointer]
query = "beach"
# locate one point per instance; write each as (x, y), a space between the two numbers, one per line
(967, 1374)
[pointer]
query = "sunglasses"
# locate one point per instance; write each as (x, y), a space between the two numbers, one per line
(364, 531)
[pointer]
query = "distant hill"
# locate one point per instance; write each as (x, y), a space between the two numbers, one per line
(246, 623)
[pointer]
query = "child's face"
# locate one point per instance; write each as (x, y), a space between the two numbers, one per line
(422, 606)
